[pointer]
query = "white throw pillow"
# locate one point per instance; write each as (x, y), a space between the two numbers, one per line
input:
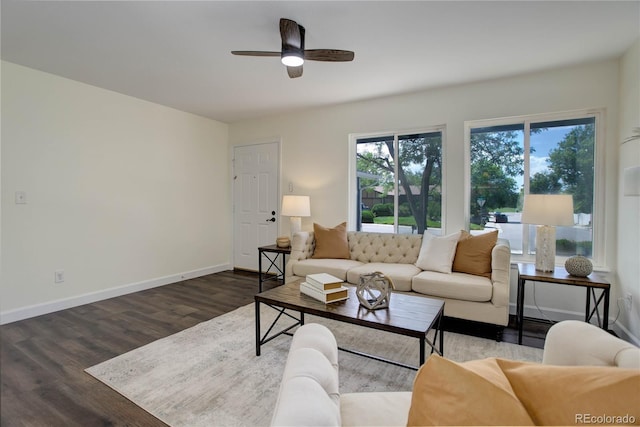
(437, 253)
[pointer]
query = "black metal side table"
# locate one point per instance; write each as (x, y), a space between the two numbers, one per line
(528, 272)
(272, 254)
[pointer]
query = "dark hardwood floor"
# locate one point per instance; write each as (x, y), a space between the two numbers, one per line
(42, 360)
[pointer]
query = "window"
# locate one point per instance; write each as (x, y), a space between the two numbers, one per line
(398, 182)
(552, 154)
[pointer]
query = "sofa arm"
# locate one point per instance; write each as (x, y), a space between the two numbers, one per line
(500, 273)
(572, 342)
(309, 394)
(302, 246)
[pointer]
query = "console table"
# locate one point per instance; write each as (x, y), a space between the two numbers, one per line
(273, 254)
(528, 272)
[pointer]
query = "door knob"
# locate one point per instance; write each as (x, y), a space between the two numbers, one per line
(271, 220)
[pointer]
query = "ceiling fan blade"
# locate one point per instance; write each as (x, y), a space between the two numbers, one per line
(290, 33)
(332, 55)
(254, 53)
(294, 71)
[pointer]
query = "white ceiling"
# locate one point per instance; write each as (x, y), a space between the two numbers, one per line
(177, 53)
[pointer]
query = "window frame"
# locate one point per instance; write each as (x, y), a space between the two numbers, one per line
(598, 217)
(352, 211)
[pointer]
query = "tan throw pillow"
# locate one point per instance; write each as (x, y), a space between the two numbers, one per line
(576, 395)
(331, 242)
(473, 254)
(471, 393)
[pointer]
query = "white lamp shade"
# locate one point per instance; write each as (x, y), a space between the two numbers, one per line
(296, 206)
(548, 209)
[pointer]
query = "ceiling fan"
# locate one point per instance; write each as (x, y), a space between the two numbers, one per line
(293, 53)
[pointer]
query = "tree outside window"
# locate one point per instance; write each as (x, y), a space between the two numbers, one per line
(551, 157)
(399, 181)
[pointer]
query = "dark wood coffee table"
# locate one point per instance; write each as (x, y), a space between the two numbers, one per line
(408, 315)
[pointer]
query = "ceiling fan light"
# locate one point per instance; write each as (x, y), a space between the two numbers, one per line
(292, 59)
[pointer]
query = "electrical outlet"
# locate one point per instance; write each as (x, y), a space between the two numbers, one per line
(21, 198)
(58, 276)
(627, 302)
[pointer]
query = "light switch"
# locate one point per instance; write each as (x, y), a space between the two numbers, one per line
(21, 198)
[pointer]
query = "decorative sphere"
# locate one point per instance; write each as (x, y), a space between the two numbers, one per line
(578, 266)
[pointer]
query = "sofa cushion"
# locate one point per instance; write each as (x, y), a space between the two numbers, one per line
(473, 253)
(437, 252)
(335, 267)
(461, 286)
(375, 409)
(331, 242)
(571, 395)
(471, 393)
(400, 274)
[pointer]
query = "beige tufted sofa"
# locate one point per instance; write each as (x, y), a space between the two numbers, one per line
(466, 296)
(310, 395)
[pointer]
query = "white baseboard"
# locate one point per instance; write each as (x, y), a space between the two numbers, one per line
(555, 315)
(65, 303)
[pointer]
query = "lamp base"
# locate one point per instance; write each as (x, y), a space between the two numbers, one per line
(545, 248)
(295, 224)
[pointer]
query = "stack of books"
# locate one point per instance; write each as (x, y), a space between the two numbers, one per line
(324, 287)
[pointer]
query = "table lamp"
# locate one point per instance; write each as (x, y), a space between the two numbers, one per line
(547, 211)
(295, 207)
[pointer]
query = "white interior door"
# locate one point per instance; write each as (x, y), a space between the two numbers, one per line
(256, 201)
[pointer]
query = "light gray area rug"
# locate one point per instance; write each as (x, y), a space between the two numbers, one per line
(209, 375)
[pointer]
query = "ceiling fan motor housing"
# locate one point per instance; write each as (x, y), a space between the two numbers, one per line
(292, 52)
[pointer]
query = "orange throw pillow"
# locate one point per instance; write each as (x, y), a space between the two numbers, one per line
(331, 242)
(576, 395)
(473, 254)
(472, 393)
(507, 392)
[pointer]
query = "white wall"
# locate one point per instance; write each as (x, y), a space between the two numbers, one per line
(122, 194)
(315, 142)
(628, 262)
